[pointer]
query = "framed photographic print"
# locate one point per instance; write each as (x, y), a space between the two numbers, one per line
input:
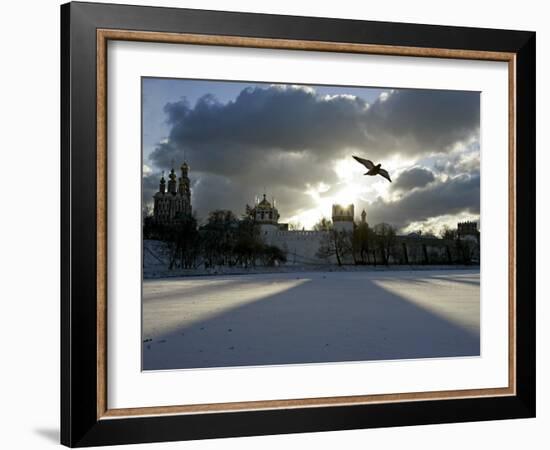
(277, 224)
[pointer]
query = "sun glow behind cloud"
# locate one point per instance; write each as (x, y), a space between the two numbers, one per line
(352, 186)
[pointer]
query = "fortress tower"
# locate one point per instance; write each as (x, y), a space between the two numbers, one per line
(174, 203)
(265, 214)
(467, 230)
(342, 217)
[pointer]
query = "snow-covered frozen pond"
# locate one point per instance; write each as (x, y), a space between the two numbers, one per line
(312, 317)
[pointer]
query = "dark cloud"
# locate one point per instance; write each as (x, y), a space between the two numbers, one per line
(413, 178)
(416, 122)
(225, 138)
(453, 196)
(280, 118)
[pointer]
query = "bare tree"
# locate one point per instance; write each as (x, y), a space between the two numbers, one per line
(218, 236)
(362, 243)
(293, 226)
(183, 241)
(449, 233)
(323, 224)
(385, 239)
(272, 255)
(335, 243)
(247, 246)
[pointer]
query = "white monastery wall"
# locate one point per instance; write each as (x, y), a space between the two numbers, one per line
(300, 246)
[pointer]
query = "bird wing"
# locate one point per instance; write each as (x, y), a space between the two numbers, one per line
(367, 163)
(385, 174)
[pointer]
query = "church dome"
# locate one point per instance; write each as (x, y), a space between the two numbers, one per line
(264, 204)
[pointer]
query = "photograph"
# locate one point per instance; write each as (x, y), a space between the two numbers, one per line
(287, 223)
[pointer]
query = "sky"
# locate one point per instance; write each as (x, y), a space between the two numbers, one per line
(295, 144)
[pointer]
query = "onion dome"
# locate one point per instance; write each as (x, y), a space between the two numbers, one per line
(264, 204)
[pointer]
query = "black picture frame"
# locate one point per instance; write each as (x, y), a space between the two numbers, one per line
(80, 425)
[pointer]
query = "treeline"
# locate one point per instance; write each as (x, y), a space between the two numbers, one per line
(380, 245)
(223, 241)
(364, 245)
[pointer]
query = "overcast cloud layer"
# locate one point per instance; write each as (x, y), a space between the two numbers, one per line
(286, 138)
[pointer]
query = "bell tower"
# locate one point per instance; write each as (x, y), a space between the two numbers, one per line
(173, 205)
(266, 215)
(342, 217)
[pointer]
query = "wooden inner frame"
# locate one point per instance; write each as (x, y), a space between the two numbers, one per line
(104, 35)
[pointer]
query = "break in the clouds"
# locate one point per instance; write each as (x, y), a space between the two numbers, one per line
(286, 139)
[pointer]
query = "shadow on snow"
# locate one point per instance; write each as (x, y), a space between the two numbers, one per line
(313, 322)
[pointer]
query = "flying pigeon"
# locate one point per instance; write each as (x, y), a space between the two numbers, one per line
(373, 170)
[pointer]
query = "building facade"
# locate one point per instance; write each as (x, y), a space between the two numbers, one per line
(173, 202)
(467, 230)
(300, 246)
